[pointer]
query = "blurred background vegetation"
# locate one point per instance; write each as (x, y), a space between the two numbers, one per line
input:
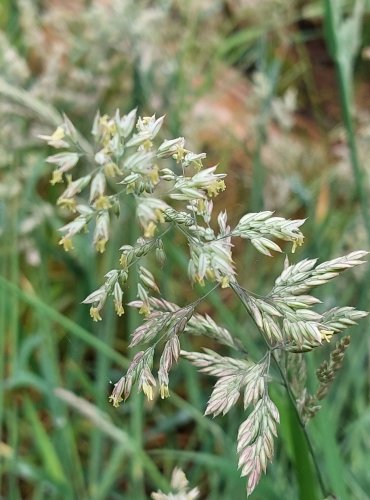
(277, 92)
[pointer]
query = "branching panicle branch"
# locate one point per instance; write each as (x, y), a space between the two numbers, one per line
(172, 191)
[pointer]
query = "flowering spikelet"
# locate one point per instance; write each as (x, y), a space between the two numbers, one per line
(179, 488)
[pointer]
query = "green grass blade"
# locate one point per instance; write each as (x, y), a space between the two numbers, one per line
(69, 325)
(43, 443)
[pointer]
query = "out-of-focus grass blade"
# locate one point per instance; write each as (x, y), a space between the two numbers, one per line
(45, 112)
(103, 422)
(112, 472)
(49, 114)
(26, 379)
(3, 353)
(307, 480)
(296, 448)
(23, 468)
(66, 323)
(45, 446)
(343, 34)
(344, 37)
(332, 457)
(237, 43)
(323, 428)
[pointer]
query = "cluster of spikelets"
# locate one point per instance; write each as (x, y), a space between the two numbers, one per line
(126, 159)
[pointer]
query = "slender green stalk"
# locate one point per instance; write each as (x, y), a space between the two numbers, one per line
(107, 333)
(257, 193)
(62, 441)
(3, 339)
(344, 61)
(258, 172)
(111, 471)
(320, 479)
(137, 408)
(13, 311)
(13, 338)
